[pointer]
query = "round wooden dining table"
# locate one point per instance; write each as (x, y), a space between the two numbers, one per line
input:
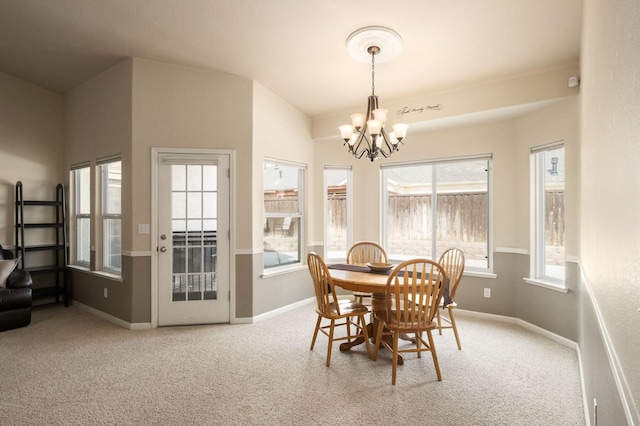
(367, 282)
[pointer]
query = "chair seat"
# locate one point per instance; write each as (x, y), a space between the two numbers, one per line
(347, 308)
(392, 323)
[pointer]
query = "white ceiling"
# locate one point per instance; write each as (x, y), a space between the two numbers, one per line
(295, 48)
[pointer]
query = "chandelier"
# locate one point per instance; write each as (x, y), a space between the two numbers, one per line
(366, 135)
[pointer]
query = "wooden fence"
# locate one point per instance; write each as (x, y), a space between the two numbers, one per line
(460, 218)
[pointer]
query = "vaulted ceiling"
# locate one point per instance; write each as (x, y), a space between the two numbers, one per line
(295, 48)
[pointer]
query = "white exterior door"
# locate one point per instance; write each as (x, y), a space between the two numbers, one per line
(193, 239)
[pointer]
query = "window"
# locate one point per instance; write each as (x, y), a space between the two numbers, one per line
(111, 201)
(431, 206)
(283, 213)
(337, 189)
(81, 213)
(548, 259)
(194, 193)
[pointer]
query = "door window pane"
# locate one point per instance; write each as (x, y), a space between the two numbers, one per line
(195, 212)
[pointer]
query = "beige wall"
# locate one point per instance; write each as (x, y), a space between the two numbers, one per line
(496, 138)
(175, 106)
(473, 120)
(509, 141)
(610, 178)
(558, 122)
(282, 132)
(140, 104)
(31, 147)
(98, 125)
(471, 102)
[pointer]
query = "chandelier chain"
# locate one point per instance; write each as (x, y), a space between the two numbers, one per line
(373, 73)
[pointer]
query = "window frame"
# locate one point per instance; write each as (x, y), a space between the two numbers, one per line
(469, 268)
(349, 210)
(300, 216)
(538, 258)
(103, 264)
(77, 215)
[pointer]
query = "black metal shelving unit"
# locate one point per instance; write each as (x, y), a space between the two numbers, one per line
(51, 279)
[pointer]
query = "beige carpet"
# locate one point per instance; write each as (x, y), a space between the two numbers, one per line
(71, 368)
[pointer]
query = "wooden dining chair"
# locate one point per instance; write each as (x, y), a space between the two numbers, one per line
(452, 260)
(416, 279)
(338, 313)
(363, 252)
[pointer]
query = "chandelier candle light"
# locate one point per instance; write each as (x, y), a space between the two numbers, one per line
(367, 135)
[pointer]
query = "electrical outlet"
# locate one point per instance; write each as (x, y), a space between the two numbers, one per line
(487, 293)
(105, 292)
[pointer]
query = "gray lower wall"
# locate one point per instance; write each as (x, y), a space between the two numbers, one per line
(554, 311)
(511, 296)
(256, 295)
(280, 290)
(244, 285)
(507, 267)
(128, 299)
(599, 381)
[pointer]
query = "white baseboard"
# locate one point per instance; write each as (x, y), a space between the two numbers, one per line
(275, 312)
(112, 319)
(147, 325)
(524, 324)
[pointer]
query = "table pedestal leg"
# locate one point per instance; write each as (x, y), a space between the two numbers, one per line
(360, 340)
(378, 303)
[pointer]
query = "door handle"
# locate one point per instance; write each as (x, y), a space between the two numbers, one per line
(163, 249)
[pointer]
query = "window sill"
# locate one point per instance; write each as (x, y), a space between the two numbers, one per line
(103, 274)
(547, 284)
(268, 273)
(108, 275)
(480, 274)
(79, 268)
